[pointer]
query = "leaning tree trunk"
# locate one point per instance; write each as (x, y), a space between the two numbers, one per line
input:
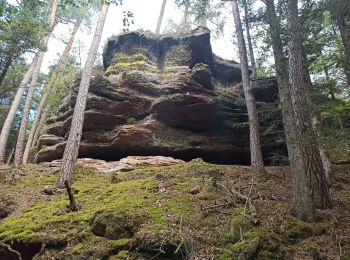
(25, 117)
(302, 197)
(71, 151)
(14, 106)
(255, 146)
(249, 40)
(160, 19)
(53, 78)
(4, 66)
(311, 155)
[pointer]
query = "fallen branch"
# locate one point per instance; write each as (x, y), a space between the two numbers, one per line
(252, 216)
(72, 205)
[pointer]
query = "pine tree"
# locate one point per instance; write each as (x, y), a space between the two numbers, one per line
(72, 146)
(302, 197)
(5, 131)
(25, 117)
(302, 117)
(55, 74)
(249, 40)
(254, 128)
(160, 19)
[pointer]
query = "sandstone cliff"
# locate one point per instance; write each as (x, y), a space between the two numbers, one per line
(167, 96)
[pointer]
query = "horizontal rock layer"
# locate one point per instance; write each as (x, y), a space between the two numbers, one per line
(168, 96)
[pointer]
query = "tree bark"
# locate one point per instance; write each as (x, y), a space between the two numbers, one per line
(301, 195)
(249, 40)
(42, 104)
(314, 118)
(72, 146)
(160, 19)
(4, 66)
(72, 204)
(255, 146)
(25, 117)
(340, 10)
(300, 100)
(14, 106)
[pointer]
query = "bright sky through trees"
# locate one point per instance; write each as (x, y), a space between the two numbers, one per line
(146, 14)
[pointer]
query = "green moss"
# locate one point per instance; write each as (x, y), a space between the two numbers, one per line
(143, 211)
(122, 63)
(121, 67)
(122, 255)
(123, 58)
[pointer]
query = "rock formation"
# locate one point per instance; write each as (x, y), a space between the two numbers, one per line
(168, 96)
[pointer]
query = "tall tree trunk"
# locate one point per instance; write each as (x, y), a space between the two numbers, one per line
(340, 10)
(72, 146)
(185, 23)
(53, 78)
(4, 66)
(160, 19)
(10, 157)
(312, 159)
(314, 117)
(301, 194)
(14, 106)
(203, 19)
(25, 117)
(255, 146)
(249, 40)
(39, 127)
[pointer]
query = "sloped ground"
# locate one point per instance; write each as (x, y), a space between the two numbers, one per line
(186, 211)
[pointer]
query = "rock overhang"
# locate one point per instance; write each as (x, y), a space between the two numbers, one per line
(152, 101)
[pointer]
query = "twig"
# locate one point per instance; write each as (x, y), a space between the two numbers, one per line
(241, 233)
(252, 214)
(250, 191)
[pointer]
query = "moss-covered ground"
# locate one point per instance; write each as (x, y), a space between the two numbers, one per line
(173, 212)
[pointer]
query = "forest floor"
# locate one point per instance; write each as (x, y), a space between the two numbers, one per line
(194, 210)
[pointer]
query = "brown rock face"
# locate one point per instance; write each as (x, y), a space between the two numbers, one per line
(167, 96)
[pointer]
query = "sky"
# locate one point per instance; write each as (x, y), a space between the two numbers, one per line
(146, 14)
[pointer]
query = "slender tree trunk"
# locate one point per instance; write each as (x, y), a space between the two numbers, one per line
(301, 194)
(255, 146)
(203, 16)
(312, 159)
(25, 117)
(40, 125)
(10, 157)
(4, 66)
(185, 24)
(72, 146)
(340, 10)
(14, 106)
(42, 104)
(249, 40)
(160, 19)
(331, 86)
(26, 111)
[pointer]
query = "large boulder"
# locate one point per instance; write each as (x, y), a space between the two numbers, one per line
(168, 96)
